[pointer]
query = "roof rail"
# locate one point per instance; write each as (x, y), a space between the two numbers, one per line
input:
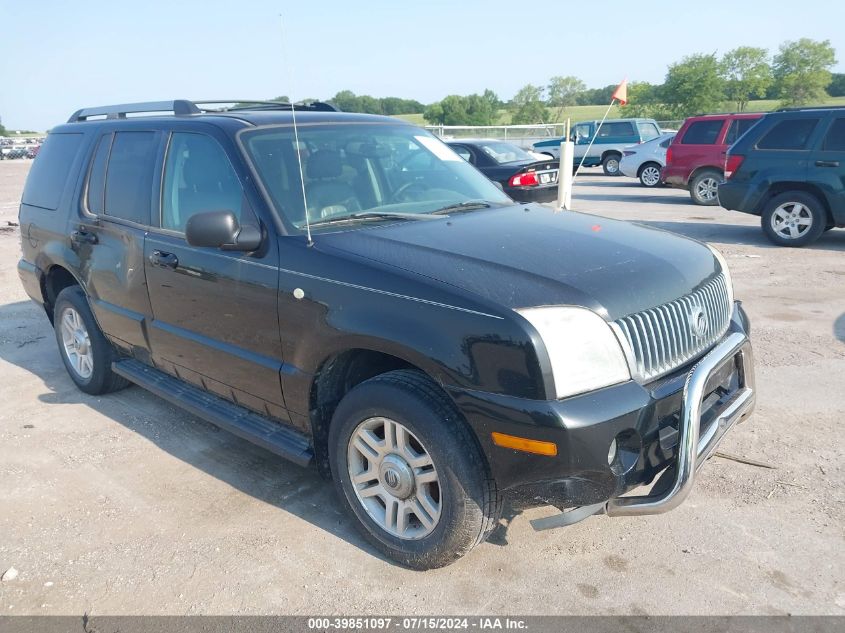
(177, 106)
(251, 104)
(799, 108)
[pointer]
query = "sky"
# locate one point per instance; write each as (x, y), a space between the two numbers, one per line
(57, 56)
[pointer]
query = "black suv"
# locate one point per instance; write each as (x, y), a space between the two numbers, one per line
(790, 169)
(428, 344)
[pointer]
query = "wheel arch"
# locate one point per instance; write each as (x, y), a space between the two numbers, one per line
(55, 279)
(698, 170)
(778, 188)
(338, 374)
(642, 167)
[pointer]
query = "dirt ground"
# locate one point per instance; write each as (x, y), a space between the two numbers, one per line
(125, 505)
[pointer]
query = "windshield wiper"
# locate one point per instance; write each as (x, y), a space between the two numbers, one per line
(373, 215)
(468, 205)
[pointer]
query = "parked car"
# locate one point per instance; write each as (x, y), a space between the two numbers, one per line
(520, 174)
(646, 160)
(790, 170)
(427, 343)
(614, 136)
(696, 158)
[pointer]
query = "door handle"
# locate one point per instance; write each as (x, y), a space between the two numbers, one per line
(81, 236)
(165, 260)
(827, 163)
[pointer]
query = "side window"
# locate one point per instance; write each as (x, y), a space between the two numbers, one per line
(129, 176)
(197, 177)
(703, 132)
(463, 152)
(581, 133)
(667, 142)
(97, 176)
(648, 131)
(738, 128)
(616, 129)
(790, 134)
(51, 170)
(834, 140)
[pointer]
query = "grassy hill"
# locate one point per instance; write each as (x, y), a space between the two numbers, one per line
(590, 112)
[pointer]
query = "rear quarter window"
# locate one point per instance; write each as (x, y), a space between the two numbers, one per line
(51, 171)
(703, 132)
(789, 134)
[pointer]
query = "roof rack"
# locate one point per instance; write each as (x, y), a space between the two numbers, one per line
(250, 104)
(185, 107)
(177, 106)
(799, 108)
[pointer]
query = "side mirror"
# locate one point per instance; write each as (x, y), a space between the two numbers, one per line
(220, 229)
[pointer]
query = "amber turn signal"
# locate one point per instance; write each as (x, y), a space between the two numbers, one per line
(524, 444)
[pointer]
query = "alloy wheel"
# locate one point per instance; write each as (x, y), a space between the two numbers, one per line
(650, 176)
(394, 478)
(791, 220)
(76, 343)
(707, 189)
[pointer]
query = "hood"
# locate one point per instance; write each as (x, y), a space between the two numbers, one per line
(523, 256)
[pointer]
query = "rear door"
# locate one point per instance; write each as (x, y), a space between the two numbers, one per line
(782, 151)
(700, 146)
(826, 166)
(109, 237)
(215, 321)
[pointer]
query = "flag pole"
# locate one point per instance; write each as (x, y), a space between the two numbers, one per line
(593, 138)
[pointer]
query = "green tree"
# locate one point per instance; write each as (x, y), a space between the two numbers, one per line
(282, 99)
(645, 100)
(802, 70)
(562, 93)
(693, 86)
(493, 99)
(346, 101)
(747, 74)
(528, 103)
(434, 114)
(3, 131)
(837, 85)
(596, 96)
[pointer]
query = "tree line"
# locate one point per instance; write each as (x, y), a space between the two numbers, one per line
(798, 74)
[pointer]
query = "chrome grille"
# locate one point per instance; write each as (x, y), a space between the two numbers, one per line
(663, 338)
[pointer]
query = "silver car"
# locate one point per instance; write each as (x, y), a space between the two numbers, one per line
(646, 160)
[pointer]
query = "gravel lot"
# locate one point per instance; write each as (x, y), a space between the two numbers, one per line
(124, 504)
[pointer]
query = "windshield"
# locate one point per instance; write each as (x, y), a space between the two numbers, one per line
(362, 170)
(505, 152)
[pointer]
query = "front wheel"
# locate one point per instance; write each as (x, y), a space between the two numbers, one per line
(610, 164)
(704, 188)
(409, 469)
(650, 175)
(794, 218)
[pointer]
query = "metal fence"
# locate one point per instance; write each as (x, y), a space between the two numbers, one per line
(521, 135)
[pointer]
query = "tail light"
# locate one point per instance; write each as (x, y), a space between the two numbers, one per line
(628, 153)
(732, 164)
(528, 179)
(668, 154)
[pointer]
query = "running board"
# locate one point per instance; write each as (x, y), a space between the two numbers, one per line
(259, 430)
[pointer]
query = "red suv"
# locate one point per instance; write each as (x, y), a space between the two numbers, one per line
(696, 158)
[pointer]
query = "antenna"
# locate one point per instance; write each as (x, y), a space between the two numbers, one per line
(296, 132)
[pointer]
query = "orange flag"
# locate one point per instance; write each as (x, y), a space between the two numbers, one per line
(621, 92)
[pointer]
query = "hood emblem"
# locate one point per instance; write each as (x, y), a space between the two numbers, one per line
(698, 321)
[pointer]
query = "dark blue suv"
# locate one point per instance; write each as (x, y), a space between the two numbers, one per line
(790, 170)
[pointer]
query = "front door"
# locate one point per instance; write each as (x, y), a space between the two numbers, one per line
(215, 320)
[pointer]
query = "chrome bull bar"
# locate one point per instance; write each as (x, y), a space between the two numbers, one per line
(693, 450)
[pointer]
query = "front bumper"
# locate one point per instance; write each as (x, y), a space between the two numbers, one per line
(655, 425)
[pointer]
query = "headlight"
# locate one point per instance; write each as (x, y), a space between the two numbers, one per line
(584, 352)
(726, 272)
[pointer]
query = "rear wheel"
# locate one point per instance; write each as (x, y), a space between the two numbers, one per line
(794, 218)
(85, 352)
(409, 469)
(650, 175)
(704, 188)
(610, 164)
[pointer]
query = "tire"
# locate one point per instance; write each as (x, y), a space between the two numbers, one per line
(793, 218)
(459, 502)
(650, 175)
(85, 352)
(704, 187)
(610, 164)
